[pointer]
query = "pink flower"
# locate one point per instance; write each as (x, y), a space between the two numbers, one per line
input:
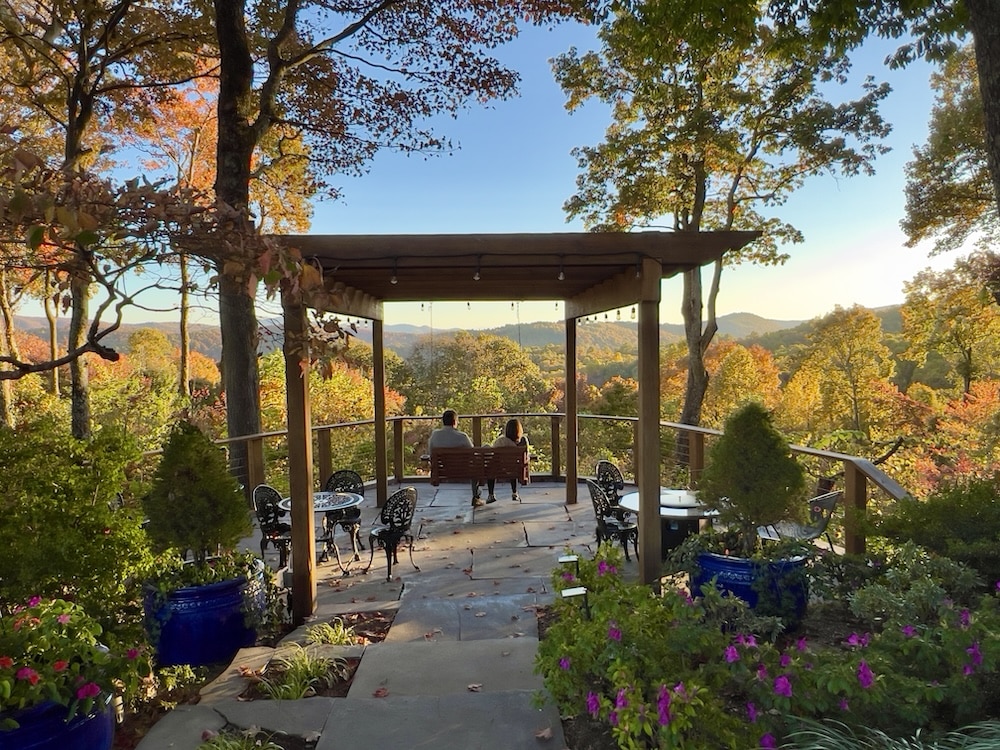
(621, 700)
(90, 690)
(564, 663)
(784, 660)
(768, 740)
(60, 665)
(29, 674)
(977, 658)
(909, 631)
(964, 618)
(567, 576)
(593, 704)
(865, 675)
(132, 653)
(613, 718)
(801, 644)
(34, 601)
(857, 640)
(6, 662)
(663, 705)
(761, 672)
(63, 619)
(747, 640)
(604, 569)
(614, 632)
(732, 654)
(752, 713)
(844, 705)
(783, 686)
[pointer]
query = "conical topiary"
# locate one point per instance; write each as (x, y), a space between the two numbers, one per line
(751, 478)
(195, 503)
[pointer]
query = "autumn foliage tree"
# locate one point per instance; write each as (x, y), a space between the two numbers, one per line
(708, 130)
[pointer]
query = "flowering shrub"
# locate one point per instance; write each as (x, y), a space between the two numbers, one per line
(667, 671)
(50, 651)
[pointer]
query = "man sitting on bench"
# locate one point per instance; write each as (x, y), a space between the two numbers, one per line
(449, 436)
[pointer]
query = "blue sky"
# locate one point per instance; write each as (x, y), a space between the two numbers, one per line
(513, 171)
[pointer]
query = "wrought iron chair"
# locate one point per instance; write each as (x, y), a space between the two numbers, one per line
(609, 526)
(349, 520)
(273, 530)
(821, 510)
(392, 527)
(610, 478)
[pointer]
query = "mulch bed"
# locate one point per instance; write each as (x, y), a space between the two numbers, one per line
(369, 627)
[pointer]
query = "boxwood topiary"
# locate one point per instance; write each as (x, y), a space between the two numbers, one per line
(195, 504)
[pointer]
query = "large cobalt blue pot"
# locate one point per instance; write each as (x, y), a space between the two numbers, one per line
(44, 727)
(778, 587)
(206, 624)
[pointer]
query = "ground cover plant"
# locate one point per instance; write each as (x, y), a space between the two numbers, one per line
(666, 671)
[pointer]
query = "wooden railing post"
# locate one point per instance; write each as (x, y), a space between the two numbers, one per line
(397, 449)
(324, 454)
(696, 456)
(255, 462)
(477, 430)
(855, 508)
(635, 450)
(554, 437)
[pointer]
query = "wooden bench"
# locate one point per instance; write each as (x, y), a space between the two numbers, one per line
(457, 464)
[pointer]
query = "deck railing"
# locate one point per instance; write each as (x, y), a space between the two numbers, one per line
(683, 451)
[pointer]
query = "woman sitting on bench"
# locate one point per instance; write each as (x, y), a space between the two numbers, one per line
(513, 436)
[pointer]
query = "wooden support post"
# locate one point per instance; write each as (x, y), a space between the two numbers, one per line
(572, 422)
(378, 378)
(648, 478)
(296, 349)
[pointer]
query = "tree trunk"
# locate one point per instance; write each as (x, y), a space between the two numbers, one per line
(984, 22)
(237, 139)
(184, 374)
(697, 375)
(8, 347)
(79, 379)
(51, 312)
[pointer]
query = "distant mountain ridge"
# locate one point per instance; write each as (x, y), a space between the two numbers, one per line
(401, 338)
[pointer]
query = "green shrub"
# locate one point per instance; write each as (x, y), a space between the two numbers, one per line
(960, 520)
(61, 533)
(300, 672)
(195, 504)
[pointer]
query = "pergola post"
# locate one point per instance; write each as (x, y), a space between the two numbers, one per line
(648, 475)
(296, 350)
(378, 379)
(572, 421)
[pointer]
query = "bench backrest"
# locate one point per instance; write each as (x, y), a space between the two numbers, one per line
(457, 464)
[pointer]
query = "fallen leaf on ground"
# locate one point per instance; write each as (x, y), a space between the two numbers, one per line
(208, 734)
(480, 614)
(505, 653)
(544, 734)
(475, 687)
(472, 593)
(380, 692)
(311, 736)
(530, 590)
(515, 617)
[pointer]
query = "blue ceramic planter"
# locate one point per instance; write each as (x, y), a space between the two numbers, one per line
(783, 583)
(44, 727)
(200, 625)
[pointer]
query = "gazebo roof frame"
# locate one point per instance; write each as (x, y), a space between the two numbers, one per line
(590, 272)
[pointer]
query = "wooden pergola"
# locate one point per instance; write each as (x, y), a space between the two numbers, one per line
(589, 272)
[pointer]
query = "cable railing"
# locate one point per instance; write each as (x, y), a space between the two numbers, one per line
(682, 455)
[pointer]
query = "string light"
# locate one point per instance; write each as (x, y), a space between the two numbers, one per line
(562, 274)
(633, 312)
(618, 314)
(479, 259)
(393, 279)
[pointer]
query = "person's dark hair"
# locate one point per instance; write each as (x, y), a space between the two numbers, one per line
(449, 418)
(512, 429)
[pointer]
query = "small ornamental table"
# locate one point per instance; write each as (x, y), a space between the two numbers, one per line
(680, 515)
